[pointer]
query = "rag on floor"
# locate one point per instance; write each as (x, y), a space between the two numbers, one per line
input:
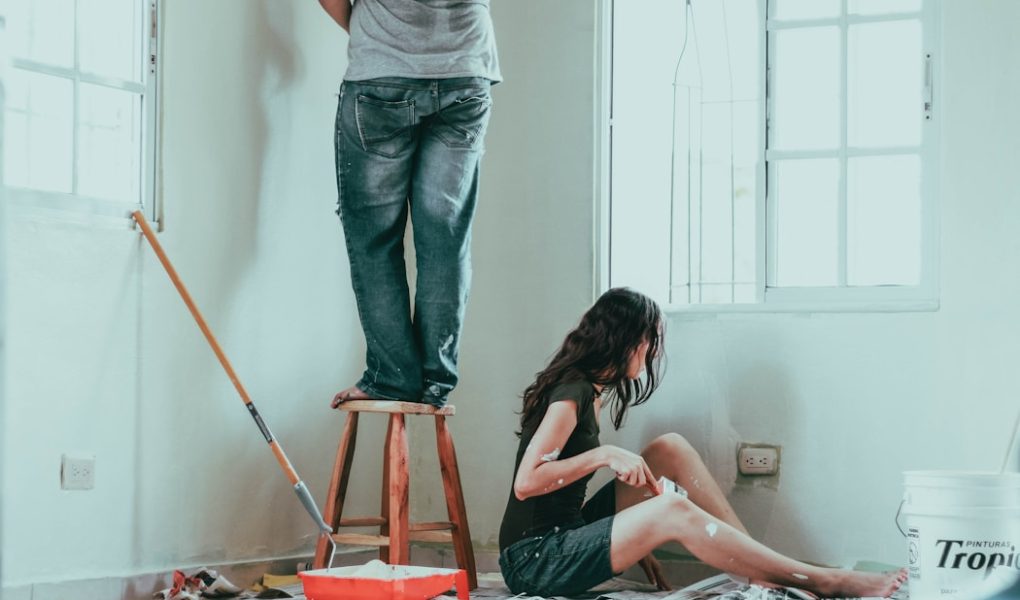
(206, 583)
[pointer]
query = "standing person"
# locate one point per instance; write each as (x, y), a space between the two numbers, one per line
(414, 107)
(551, 545)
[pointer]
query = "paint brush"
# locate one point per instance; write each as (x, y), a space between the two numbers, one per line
(665, 485)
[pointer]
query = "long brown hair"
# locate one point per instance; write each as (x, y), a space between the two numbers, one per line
(598, 351)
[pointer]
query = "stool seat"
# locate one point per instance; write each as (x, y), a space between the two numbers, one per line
(395, 530)
(394, 406)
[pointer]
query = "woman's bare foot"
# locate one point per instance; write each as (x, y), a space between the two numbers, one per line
(856, 584)
(351, 393)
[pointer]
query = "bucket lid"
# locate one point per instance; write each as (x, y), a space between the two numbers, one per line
(1009, 514)
(962, 478)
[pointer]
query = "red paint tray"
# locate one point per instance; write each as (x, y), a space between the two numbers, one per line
(414, 583)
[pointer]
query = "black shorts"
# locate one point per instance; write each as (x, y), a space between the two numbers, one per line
(568, 560)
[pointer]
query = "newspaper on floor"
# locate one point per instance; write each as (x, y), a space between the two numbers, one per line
(491, 587)
(724, 587)
(719, 587)
(282, 590)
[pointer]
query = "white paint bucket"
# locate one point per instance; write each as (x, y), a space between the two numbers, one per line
(960, 526)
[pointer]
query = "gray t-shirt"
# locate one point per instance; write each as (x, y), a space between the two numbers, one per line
(422, 39)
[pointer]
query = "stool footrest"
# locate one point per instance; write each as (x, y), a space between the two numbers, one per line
(433, 526)
(441, 537)
(362, 522)
(361, 539)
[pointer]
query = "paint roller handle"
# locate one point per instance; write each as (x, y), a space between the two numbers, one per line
(313, 510)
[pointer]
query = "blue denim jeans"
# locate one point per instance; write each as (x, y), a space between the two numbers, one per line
(568, 560)
(410, 147)
(563, 562)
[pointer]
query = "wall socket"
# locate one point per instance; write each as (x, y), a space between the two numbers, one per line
(77, 472)
(758, 459)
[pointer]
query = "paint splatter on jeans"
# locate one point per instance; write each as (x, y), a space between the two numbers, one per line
(410, 147)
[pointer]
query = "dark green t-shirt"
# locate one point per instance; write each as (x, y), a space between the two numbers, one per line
(561, 507)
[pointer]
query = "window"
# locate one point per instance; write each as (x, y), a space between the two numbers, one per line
(80, 116)
(773, 153)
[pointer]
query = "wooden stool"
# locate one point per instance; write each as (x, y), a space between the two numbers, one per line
(395, 532)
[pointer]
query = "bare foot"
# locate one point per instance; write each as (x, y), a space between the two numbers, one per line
(856, 584)
(351, 393)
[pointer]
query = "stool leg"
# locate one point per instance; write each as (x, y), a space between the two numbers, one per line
(400, 549)
(337, 487)
(384, 529)
(455, 502)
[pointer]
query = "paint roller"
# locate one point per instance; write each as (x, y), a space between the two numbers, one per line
(298, 485)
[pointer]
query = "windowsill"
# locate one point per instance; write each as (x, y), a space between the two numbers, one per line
(67, 209)
(696, 311)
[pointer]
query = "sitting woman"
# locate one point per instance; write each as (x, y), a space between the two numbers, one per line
(552, 545)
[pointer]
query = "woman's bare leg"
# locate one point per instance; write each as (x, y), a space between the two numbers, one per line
(673, 456)
(639, 529)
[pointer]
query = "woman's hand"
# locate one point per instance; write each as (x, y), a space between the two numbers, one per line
(629, 467)
(653, 571)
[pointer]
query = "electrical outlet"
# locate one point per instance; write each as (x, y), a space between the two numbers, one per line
(758, 459)
(77, 472)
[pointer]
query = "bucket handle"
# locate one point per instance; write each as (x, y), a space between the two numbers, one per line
(898, 512)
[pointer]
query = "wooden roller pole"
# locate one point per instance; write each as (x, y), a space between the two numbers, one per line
(299, 486)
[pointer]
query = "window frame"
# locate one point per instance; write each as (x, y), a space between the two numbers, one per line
(920, 298)
(75, 207)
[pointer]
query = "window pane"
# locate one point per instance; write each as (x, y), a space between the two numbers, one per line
(805, 9)
(645, 53)
(37, 133)
(716, 265)
(807, 243)
(884, 220)
(110, 38)
(109, 143)
(885, 86)
(747, 158)
(806, 103)
(882, 7)
(686, 183)
(42, 30)
(745, 30)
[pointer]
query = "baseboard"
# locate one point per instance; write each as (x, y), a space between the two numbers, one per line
(142, 586)
(679, 571)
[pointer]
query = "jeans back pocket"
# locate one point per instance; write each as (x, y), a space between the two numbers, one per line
(463, 122)
(385, 127)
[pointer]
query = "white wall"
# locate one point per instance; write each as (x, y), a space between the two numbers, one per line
(855, 399)
(107, 360)
(3, 260)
